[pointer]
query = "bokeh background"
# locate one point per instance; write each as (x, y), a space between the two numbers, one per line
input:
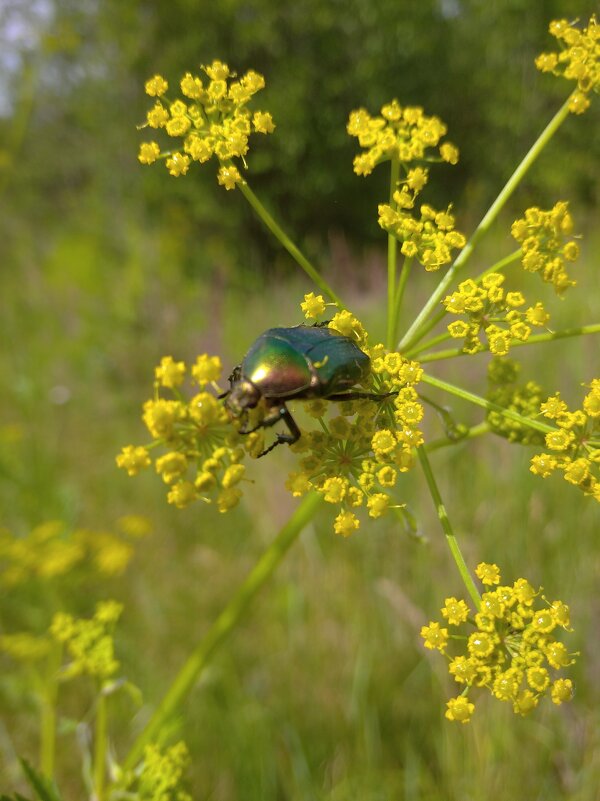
(326, 691)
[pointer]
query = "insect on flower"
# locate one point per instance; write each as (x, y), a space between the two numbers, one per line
(302, 362)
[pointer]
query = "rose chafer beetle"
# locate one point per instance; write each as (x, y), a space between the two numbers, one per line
(299, 363)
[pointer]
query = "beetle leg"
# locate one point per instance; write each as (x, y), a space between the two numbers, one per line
(280, 413)
(344, 396)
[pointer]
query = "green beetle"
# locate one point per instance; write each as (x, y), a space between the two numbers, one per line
(296, 363)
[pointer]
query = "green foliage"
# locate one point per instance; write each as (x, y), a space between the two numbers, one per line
(45, 789)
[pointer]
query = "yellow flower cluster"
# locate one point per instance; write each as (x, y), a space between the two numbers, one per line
(204, 449)
(211, 119)
(548, 244)
(356, 458)
(89, 642)
(524, 399)
(430, 238)
(401, 133)
(575, 445)
(161, 774)
(51, 550)
(513, 650)
(578, 59)
(491, 310)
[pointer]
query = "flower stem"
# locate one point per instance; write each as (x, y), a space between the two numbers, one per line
(48, 721)
(392, 259)
(447, 528)
(287, 243)
(415, 331)
(486, 404)
(100, 745)
(224, 625)
(404, 275)
(548, 336)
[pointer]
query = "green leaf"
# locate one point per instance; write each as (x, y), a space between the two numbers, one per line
(44, 787)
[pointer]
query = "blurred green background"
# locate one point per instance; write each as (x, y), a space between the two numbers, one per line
(325, 692)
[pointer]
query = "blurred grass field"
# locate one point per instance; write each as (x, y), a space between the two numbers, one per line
(325, 692)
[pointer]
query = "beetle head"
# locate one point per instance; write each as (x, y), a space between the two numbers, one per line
(243, 395)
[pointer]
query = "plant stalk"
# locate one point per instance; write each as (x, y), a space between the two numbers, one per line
(447, 528)
(287, 243)
(548, 336)
(224, 625)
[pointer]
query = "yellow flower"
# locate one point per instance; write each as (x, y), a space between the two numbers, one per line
(207, 369)
(156, 86)
(229, 177)
(460, 709)
(178, 164)
(455, 611)
(434, 637)
(133, 459)
(149, 152)
(488, 573)
(345, 524)
(313, 305)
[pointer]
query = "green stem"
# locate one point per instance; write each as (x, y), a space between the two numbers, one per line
(447, 528)
(48, 712)
(100, 746)
(392, 259)
(433, 321)
(548, 336)
(224, 625)
(404, 274)
(486, 404)
(414, 332)
(287, 243)
(429, 343)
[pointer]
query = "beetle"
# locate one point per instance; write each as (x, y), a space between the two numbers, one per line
(298, 363)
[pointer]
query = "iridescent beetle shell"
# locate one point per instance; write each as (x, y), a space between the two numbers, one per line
(302, 362)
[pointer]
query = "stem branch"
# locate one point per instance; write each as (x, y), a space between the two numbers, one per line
(287, 243)
(447, 528)
(224, 625)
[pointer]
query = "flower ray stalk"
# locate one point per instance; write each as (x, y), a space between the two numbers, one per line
(419, 326)
(224, 625)
(48, 713)
(287, 243)
(100, 746)
(392, 258)
(447, 528)
(548, 336)
(486, 404)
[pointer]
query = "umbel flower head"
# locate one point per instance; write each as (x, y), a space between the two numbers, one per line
(512, 651)
(578, 59)
(524, 399)
(89, 642)
(407, 136)
(353, 456)
(204, 450)
(492, 311)
(574, 447)
(210, 118)
(160, 776)
(548, 244)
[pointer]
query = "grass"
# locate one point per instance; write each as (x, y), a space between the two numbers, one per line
(325, 692)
